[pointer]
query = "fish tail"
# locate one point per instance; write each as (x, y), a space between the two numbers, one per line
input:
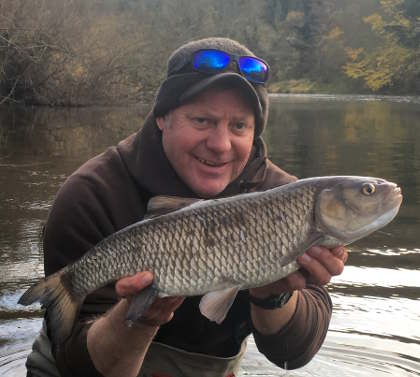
(55, 294)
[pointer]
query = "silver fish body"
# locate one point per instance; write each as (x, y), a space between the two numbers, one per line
(244, 241)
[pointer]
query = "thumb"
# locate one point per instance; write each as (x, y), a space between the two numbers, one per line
(130, 285)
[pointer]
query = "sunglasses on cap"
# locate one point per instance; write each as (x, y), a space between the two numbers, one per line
(214, 61)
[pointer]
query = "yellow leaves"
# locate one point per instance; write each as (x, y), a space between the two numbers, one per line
(78, 71)
(379, 69)
(395, 17)
(359, 64)
(394, 55)
(353, 53)
(390, 60)
(377, 79)
(400, 20)
(376, 22)
(335, 33)
(390, 6)
(356, 70)
(292, 86)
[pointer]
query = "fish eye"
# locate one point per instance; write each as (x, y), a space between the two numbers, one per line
(368, 189)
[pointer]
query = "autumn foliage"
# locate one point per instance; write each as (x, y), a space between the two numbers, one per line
(77, 53)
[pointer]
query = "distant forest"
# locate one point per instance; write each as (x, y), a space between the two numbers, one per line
(78, 52)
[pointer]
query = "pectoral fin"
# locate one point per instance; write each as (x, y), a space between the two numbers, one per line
(215, 305)
(141, 303)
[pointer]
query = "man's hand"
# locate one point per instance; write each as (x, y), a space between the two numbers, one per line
(119, 350)
(161, 311)
(319, 265)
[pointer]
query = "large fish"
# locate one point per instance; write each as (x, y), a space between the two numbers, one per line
(217, 247)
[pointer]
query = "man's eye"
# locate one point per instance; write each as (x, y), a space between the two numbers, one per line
(239, 126)
(201, 121)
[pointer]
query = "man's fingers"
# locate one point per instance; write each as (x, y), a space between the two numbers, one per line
(130, 285)
(322, 263)
(341, 253)
(318, 273)
(161, 310)
(333, 264)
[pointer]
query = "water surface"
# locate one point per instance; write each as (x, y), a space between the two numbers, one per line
(375, 327)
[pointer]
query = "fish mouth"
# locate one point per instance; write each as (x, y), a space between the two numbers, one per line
(396, 196)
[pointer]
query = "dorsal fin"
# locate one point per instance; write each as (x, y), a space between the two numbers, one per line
(160, 205)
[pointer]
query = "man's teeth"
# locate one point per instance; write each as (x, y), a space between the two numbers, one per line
(209, 162)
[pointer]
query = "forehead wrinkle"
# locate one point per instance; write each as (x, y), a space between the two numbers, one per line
(212, 110)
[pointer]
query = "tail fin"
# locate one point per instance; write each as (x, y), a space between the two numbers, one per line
(62, 305)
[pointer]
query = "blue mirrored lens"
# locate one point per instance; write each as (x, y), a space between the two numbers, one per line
(211, 60)
(253, 69)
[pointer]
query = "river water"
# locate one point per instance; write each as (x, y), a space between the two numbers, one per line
(375, 329)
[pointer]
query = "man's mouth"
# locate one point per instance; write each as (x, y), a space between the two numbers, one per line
(211, 163)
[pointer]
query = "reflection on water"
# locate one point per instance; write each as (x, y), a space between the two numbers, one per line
(374, 329)
(383, 277)
(38, 138)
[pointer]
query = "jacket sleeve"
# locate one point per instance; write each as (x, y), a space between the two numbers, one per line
(91, 205)
(73, 227)
(298, 342)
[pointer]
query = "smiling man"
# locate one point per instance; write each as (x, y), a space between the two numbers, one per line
(202, 140)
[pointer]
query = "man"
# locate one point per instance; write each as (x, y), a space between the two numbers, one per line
(202, 139)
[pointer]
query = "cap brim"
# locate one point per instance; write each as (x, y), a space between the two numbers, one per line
(235, 79)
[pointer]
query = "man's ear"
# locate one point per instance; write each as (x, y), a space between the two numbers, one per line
(162, 121)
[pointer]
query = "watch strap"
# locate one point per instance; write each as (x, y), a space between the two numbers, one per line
(272, 301)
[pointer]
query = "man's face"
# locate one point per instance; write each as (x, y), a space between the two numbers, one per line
(208, 141)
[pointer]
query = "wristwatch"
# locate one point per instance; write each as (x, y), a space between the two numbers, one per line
(271, 302)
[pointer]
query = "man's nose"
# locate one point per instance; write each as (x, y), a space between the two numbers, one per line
(218, 138)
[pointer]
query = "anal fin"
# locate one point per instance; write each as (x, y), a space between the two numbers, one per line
(215, 305)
